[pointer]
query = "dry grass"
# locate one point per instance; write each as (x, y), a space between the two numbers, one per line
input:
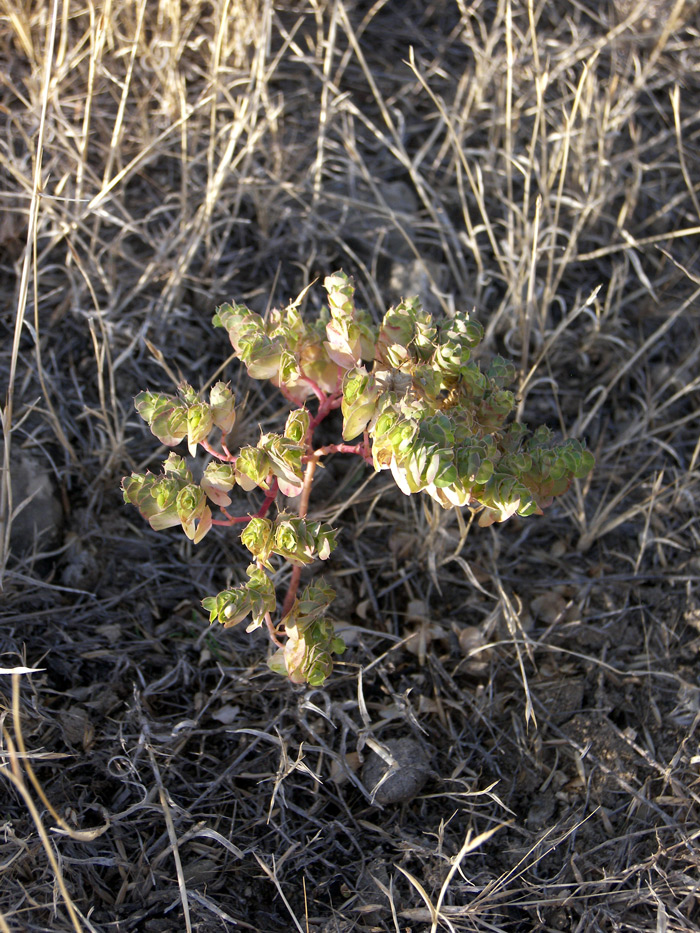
(537, 161)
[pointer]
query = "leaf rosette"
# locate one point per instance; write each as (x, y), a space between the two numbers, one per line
(411, 385)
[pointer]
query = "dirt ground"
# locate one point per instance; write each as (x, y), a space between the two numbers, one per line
(536, 162)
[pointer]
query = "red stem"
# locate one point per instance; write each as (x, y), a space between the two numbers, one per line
(326, 404)
(303, 509)
(272, 630)
(225, 457)
(361, 450)
(325, 407)
(262, 511)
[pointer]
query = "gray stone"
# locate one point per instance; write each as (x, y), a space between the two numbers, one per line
(407, 781)
(36, 509)
(421, 277)
(371, 219)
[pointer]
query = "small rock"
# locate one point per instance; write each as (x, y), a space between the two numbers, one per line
(541, 811)
(37, 510)
(550, 607)
(77, 728)
(407, 781)
(370, 218)
(421, 277)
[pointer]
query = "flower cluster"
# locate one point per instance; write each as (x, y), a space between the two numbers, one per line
(409, 390)
(172, 419)
(170, 499)
(306, 657)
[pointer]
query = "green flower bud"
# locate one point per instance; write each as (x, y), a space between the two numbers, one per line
(156, 496)
(262, 596)
(222, 402)
(293, 542)
(289, 369)
(241, 324)
(473, 381)
(230, 607)
(501, 371)
(494, 408)
(517, 463)
(514, 436)
(307, 655)
(142, 491)
(343, 345)
(395, 335)
(323, 538)
(284, 457)
(176, 466)
(187, 394)
(250, 339)
(585, 464)
(199, 425)
(449, 358)
(463, 331)
(166, 416)
(424, 334)
(165, 492)
(340, 296)
(312, 604)
(147, 404)
(360, 395)
(297, 426)
(262, 356)
(311, 640)
(193, 512)
(429, 382)
(258, 537)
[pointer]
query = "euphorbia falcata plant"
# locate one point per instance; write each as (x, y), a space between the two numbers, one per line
(413, 401)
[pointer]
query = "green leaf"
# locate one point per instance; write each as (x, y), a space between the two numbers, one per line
(217, 481)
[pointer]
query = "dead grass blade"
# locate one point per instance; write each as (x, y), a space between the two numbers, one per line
(172, 836)
(272, 875)
(29, 253)
(13, 774)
